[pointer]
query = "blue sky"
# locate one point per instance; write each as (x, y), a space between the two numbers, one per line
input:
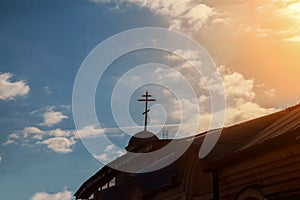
(43, 43)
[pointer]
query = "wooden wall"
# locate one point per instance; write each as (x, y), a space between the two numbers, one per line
(276, 173)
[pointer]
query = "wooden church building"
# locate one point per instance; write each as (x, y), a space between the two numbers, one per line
(255, 160)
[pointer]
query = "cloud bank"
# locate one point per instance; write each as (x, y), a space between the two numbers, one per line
(57, 140)
(181, 15)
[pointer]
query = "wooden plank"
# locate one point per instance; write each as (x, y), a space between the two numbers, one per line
(281, 180)
(263, 172)
(275, 157)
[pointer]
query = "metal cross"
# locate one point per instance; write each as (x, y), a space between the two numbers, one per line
(147, 95)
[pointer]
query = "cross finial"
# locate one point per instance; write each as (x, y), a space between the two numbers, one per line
(146, 99)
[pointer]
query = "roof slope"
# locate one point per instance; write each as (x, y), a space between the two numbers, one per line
(255, 132)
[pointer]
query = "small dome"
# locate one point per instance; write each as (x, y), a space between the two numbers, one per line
(140, 138)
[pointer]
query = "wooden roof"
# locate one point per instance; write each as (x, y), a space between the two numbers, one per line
(256, 134)
(235, 140)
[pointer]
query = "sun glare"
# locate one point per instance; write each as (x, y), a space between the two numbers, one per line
(294, 10)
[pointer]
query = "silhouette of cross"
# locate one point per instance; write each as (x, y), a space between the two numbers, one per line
(147, 95)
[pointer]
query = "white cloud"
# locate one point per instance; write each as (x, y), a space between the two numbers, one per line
(110, 153)
(109, 148)
(90, 132)
(290, 10)
(60, 133)
(52, 117)
(285, 13)
(192, 16)
(0, 158)
(235, 84)
(120, 153)
(31, 130)
(198, 16)
(58, 140)
(28, 132)
(271, 93)
(182, 15)
(63, 195)
(8, 142)
(59, 144)
(295, 38)
(245, 110)
(102, 157)
(13, 136)
(203, 99)
(241, 95)
(9, 90)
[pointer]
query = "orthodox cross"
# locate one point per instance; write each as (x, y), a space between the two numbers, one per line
(146, 99)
